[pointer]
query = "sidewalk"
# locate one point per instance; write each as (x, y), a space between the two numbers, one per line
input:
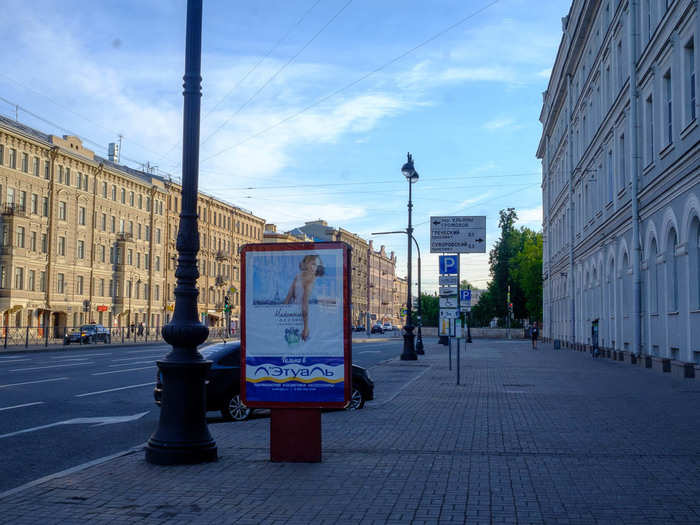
(529, 437)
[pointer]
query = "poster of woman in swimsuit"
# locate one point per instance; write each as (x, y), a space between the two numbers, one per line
(294, 336)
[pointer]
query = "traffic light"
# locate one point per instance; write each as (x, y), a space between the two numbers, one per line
(510, 307)
(227, 304)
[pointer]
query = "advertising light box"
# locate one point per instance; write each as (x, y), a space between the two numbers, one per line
(295, 332)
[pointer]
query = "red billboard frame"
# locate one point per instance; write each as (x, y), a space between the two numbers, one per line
(347, 341)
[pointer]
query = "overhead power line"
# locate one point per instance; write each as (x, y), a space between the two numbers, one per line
(354, 82)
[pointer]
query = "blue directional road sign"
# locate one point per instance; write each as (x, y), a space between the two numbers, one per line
(465, 296)
(449, 264)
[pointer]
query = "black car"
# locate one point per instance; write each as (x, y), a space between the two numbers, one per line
(87, 334)
(223, 383)
(377, 329)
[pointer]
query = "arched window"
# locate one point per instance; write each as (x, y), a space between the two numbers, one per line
(695, 268)
(626, 293)
(672, 271)
(653, 279)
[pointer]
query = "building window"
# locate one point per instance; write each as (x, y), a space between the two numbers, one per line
(20, 236)
(19, 278)
(102, 253)
(42, 281)
(156, 293)
(79, 285)
(140, 201)
(650, 129)
(128, 289)
(672, 266)
(61, 246)
(148, 204)
(131, 228)
(81, 215)
(623, 177)
(690, 67)
(129, 257)
(11, 196)
(113, 224)
(114, 192)
(138, 230)
(47, 170)
(121, 225)
(60, 283)
(2, 154)
(104, 190)
(35, 204)
(35, 166)
(32, 241)
(102, 288)
(13, 158)
(45, 206)
(81, 249)
(157, 235)
(131, 199)
(22, 200)
(103, 222)
(44, 243)
(62, 210)
(668, 107)
(148, 233)
(25, 163)
(31, 275)
(157, 263)
(123, 196)
(67, 176)
(79, 180)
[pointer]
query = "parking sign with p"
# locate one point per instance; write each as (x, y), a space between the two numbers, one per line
(449, 264)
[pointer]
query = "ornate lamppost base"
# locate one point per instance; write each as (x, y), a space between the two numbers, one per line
(182, 436)
(409, 352)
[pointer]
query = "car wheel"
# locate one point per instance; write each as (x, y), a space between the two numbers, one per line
(357, 400)
(235, 410)
(67, 341)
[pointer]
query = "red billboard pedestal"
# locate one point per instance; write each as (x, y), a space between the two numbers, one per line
(295, 435)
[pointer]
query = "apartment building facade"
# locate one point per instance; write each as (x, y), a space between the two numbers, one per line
(620, 151)
(83, 239)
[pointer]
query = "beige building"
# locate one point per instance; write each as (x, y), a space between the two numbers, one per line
(272, 235)
(400, 296)
(382, 271)
(84, 239)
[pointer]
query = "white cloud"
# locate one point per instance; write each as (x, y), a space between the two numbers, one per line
(499, 123)
(530, 217)
(545, 73)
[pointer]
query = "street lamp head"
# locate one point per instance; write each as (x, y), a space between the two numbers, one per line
(409, 171)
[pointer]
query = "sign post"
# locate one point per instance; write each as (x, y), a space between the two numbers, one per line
(456, 234)
(295, 340)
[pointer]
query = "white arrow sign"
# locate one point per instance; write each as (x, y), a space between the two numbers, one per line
(96, 421)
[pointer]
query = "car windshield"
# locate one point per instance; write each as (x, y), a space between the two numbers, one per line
(210, 350)
(87, 327)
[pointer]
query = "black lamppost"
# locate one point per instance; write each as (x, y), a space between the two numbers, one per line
(409, 351)
(182, 436)
(419, 343)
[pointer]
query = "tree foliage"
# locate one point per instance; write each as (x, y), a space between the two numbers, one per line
(515, 261)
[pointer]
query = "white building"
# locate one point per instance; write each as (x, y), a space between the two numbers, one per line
(620, 150)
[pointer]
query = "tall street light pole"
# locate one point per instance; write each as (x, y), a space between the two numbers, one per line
(182, 436)
(409, 351)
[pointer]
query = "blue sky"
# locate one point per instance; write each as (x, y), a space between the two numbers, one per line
(309, 107)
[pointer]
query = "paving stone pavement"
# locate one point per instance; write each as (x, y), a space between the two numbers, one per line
(528, 437)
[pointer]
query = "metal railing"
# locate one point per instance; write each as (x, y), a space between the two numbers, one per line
(14, 337)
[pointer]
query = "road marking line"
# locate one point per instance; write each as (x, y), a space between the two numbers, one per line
(370, 352)
(127, 359)
(21, 406)
(135, 363)
(34, 382)
(49, 366)
(125, 370)
(158, 349)
(115, 389)
(81, 356)
(16, 361)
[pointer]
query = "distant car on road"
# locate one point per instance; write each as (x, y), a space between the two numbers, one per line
(224, 386)
(388, 327)
(377, 329)
(87, 334)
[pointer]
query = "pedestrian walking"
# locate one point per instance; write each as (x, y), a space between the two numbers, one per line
(533, 334)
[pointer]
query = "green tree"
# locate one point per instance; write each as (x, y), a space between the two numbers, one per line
(430, 307)
(527, 272)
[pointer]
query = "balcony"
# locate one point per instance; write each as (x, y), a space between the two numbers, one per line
(220, 280)
(125, 237)
(222, 256)
(13, 209)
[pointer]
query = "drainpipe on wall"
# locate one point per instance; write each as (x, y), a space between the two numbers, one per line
(572, 222)
(633, 38)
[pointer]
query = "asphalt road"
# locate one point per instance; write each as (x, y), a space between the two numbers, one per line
(61, 409)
